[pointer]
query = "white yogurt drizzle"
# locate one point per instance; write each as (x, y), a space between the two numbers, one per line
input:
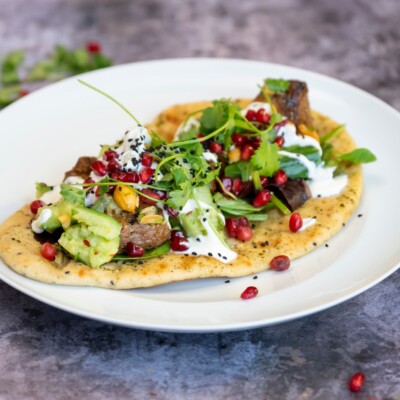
(44, 216)
(207, 245)
(321, 181)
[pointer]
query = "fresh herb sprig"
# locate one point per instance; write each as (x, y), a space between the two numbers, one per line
(60, 63)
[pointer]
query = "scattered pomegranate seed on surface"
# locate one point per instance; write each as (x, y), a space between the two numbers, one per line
(176, 233)
(280, 177)
(23, 92)
(295, 222)
(179, 244)
(215, 147)
(263, 197)
(93, 47)
(249, 293)
(280, 263)
(109, 155)
(247, 152)
(244, 233)
(251, 115)
(133, 250)
(280, 141)
(146, 174)
(86, 242)
(262, 116)
(147, 159)
(35, 205)
(356, 382)
(238, 139)
(48, 251)
(99, 168)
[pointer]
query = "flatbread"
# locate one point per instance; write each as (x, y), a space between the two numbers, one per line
(21, 252)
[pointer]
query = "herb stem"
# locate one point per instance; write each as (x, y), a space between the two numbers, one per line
(111, 98)
(329, 136)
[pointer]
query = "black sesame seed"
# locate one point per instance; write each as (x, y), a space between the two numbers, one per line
(319, 195)
(66, 272)
(326, 245)
(204, 219)
(224, 258)
(210, 254)
(359, 215)
(198, 239)
(112, 282)
(255, 277)
(194, 253)
(227, 281)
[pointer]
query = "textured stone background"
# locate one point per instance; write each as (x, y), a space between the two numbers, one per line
(49, 354)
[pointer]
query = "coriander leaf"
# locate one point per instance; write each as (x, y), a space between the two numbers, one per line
(156, 139)
(241, 169)
(330, 135)
(359, 156)
(13, 59)
(9, 77)
(104, 189)
(277, 85)
(9, 94)
(73, 194)
(42, 70)
(217, 115)
(41, 189)
(100, 61)
(265, 158)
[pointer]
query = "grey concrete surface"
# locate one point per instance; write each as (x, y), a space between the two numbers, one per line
(49, 354)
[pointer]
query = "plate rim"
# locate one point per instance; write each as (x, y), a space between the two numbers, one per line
(204, 328)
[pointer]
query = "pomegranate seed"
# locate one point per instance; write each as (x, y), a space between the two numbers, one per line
(244, 233)
(109, 155)
(151, 193)
(48, 251)
(356, 382)
(147, 159)
(88, 180)
(23, 92)
(255, 142)
(97, 191)
(215, 147)
(251, 115)
(280, 124)
(243, 221)
(99, 168)
(262, 116)
(246, 189)
(236, 186)
(231, 226)
(114, 166)
(200, 136)
(35, 205)
(247, 152)
(93, 47)
(280, 177)
(280, 141)
(249, 293)
(146, 174)
(295, 222)
(175, 233)
(86, 242)
(263, 197)
(133, 250)
(128, 177)
(239, 139)
(179, 244)
(280, 263)
(227, 183)
(264, 181)
(172, 212)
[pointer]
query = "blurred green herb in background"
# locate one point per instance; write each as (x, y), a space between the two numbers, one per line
(60, 63)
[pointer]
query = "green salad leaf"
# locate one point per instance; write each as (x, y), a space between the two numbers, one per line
(277, 85)
(359, 156)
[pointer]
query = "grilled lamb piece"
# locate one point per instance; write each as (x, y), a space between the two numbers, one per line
(147, 236)
(293, 103)
(82, 167)
(293, 194)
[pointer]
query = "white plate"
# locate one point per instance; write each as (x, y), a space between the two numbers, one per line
(43, 134)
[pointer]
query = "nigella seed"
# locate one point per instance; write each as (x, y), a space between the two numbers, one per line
(326, 245)
(227, 281)
(359, 215)
(194, 253)
(224, 258)
(187, 255)
(204, 219)
(198, 239)
(255, 277)
(210, 254)
(219, 255)
(319, 195)
(130, 140)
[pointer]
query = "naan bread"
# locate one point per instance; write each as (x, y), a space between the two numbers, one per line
(21, 252)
